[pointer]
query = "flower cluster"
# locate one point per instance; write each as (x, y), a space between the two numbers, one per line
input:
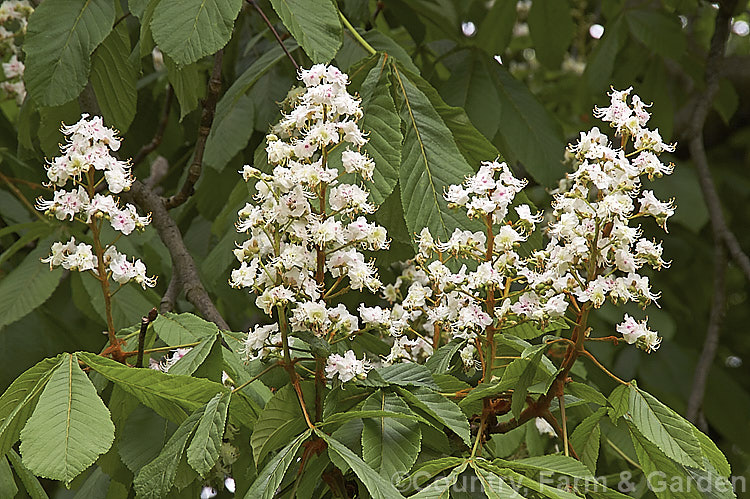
(88, 151)
(305, 222)
(14, 16)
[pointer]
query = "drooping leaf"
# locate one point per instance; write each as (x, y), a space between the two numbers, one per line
(658, 31)
(30, 482)
(61, 36)
(495, 31)
(280, 420)
(440, 408)
(28, 285)
(8, 487)
(520, 480)
(230, 135)
(180, 329)
(494, 486)
(171, 396)
(585, 439)
(203, 451)
(619, 400)
(379, 487)
(389, 445)
(142, 438)
(269, 478)
(113, 78)
(314, 24)
(551, 28)
(528, 376)
(599, 67)
(188, 84)
(70, 426)
(188, 30)
(430, 162)
(440, 488)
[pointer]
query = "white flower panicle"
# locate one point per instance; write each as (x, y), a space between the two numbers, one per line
(304, 222)
(86, 161)
(346, 367)
(14, 16)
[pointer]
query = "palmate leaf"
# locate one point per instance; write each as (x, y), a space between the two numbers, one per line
(430, 162)
(61, 36)
(70, 426)
(188, 30)
(203, 451)
(314, 24)
(269, 478)
(379, 487)
(179, 329)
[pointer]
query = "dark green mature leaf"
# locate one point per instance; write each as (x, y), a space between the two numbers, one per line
(390, 446)
(113, 78)
(180, 329)
(61, 36)
(379, 487)
(440, 488)
(343, 417)
(203, 451)
(20, 399)
(495, 31)
(408, 374)
(382, 124)
(188, 84)
(551, 28)
(658, 31)
(169, 395)
(188, 30)
(494, 486)
(619, 400)
(269, 478)
(664, 428)
(156, 478)
(28, 285)
(314, 24)
(529, 132)
(585, 439)
(141, 438)
(602, 61)
(30, 482)
(529, 372)
(230, 135)
(427, 471)
(8, 487)
(70, 426)
(439, 362)
(430, 162)
(280, 420)
(444, 410)
(520, 480)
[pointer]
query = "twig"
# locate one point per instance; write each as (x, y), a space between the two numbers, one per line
(159, 135)
(207, 119)
(170, 296)
(275, 33)
(145, 321)
(723, 236)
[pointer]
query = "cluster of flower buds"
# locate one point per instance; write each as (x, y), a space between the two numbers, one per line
(304, 222)
(14, 15)
(88, 151)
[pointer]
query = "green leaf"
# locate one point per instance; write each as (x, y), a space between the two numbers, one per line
(30, 482)
(379, 487)
(230, 134)
(129, 303)
(70, 426)
(61, 36)
(658, 31)
(494, 486)
(382, 124)
(20, 399)
(440, 408)
(529, 133)
(390, 446)
(180, 329)
(142, 437)
(599, 67)
(269, 478)
(280, 420)
(496, 29)
(188, 30)
(664, 428)
(188, 84)
(408, 374)
(430, 162)
(619, 400)
(156, 478)
(440, 361)
(113, 78)
(192, 360)
(712, 454)
(585, 439)
(529, 373)
(586, 392)
(28, 285)
(8, 487)
(203, 451)
(169, 395)
(551, 28)
(343, 417)
(440, 488)
(314, 24)
(520, 480)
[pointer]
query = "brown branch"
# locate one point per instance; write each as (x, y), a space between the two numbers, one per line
(275, 33)
(170, 296)
(207, 119)
(183, 264)
(145, 321)
(159, 135)
(723, 236)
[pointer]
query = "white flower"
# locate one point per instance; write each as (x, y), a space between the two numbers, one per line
(346, 367)
(638, 333)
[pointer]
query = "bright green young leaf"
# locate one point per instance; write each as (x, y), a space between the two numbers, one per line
(383, 126)
(188, 30)
(343, 417)
(444, 410)
(141, 438)
(440, 488)
(155, 479)
(439, 362)
(179, 329)
(20, 399)
(390, 446)
(551, 28)
(280, 420)
(586, 392)
(494, 486)
(407, 374)
(203, 451)
(192, 360)
(379, 487)
(712, 454)
(169, 395)
(28, 285)
(619, 400)
(520, 480)
(430, 162)
(269, 478)
(314, 24)
(586, 439)
(113, 78)
(529, 375)
(30, 482)
(61, 36)
(69, 428)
